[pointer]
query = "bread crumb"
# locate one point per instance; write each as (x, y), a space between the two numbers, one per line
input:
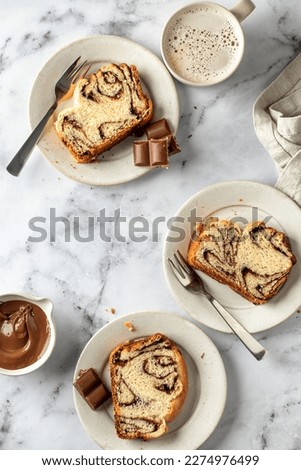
(111, 310)
(129, 325)
(240, 200)
(202, 356)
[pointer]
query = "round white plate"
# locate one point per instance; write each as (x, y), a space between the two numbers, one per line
(207, 387)
(116, 165)
(242, 201)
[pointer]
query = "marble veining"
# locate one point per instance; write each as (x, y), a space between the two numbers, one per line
(86, 279)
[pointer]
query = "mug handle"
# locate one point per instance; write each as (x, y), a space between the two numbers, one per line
(242, 9)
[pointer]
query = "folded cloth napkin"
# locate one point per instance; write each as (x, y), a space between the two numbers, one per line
(277, 122)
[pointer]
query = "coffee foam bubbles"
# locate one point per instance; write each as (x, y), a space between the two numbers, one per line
(202, 45)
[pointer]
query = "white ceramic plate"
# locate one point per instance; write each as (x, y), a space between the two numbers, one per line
(116, 165)
(245, 201)
(207, 388)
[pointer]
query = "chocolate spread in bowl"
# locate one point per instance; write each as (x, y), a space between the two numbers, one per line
(24, 334)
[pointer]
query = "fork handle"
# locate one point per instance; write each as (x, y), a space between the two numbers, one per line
(19, 160)
(245, 337)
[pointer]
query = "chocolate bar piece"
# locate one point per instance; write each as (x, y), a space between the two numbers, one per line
(158, 152)
(141, 153)
(91, 388)
(158, 129)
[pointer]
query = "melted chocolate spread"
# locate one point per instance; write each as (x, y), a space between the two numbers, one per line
(24, 334)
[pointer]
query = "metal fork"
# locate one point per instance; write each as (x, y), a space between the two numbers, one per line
(69, 77)
(192, 282)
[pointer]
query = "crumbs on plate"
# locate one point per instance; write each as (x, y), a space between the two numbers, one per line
(129, 325)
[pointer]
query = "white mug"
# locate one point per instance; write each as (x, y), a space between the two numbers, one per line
(203, 43)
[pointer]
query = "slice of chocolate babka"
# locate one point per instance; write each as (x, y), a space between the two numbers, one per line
(254, 261)
(108, 106)
(149, 383)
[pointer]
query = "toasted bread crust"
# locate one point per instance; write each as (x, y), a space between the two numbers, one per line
(157, 422)
(194, 260)
(138, 118)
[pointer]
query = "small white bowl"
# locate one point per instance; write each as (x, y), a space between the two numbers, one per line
(47, 306)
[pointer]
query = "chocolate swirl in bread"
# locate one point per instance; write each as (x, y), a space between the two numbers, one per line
(149, 382)
(108, 106)
(254, 261)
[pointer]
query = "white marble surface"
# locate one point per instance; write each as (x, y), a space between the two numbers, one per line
(84, 279)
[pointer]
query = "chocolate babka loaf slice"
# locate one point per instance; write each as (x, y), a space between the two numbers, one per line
(108, 106)
(254, 261)
(149, 383)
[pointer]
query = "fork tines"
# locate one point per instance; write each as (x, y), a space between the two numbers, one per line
(180, 268)
(70, 68)
(78, 72)
(176, 270)
(182, 262)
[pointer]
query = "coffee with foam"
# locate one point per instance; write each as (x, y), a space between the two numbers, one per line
(203, 44)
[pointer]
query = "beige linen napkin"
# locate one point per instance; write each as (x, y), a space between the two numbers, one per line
(277, 122)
